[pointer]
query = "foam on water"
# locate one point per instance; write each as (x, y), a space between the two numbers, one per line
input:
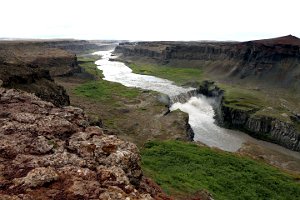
(118, 72)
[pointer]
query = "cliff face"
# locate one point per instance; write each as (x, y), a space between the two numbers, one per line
(274, 61)
(38, 55)
(30, 66)
(262, 127)
(48, 152)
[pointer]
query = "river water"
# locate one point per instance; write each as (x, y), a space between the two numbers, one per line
(200, 110)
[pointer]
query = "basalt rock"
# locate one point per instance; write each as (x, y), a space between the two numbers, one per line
(47, 152)
(262, 127)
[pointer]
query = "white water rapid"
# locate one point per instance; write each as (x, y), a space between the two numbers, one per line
(201, 113)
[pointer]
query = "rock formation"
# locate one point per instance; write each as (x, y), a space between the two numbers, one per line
(48, 152)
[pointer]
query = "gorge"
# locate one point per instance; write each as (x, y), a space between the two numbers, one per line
(199, 107)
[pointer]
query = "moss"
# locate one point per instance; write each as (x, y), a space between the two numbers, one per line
(53, 143)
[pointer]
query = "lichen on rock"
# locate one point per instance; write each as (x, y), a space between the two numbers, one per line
(53, 153)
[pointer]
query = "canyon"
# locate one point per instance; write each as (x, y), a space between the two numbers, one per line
(271, 66)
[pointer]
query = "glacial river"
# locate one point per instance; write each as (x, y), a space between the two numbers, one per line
(201, 113)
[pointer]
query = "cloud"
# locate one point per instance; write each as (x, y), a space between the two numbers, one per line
(149, 20)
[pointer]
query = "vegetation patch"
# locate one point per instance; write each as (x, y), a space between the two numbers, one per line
(105, 90)
(183, 168)
(100, 89)
(88, 64)
(176, 74)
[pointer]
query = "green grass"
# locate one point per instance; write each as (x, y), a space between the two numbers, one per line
(243, 99)
(257, 101)
(104, 91)
(183, 168)
(100, 89)
(88, 63)
(176, 74)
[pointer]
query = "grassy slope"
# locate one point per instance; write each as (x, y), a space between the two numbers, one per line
(183, 168)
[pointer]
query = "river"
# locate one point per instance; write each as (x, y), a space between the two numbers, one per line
(200, 110)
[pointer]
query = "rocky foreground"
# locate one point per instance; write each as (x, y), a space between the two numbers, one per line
(48, 152)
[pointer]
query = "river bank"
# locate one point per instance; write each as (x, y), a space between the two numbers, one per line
(133, 114)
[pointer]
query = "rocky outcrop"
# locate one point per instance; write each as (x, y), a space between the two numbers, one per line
(38, 55)
(48, 152)
(30, 66)
(34, 80)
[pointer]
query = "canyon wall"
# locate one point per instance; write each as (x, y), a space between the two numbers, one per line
(261, 127)
(275, 61)
(272, 64)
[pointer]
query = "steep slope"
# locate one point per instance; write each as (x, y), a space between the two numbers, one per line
(48, 152)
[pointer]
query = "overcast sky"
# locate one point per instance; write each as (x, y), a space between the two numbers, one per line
(150, 19)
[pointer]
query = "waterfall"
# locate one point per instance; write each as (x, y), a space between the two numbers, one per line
(184, 97)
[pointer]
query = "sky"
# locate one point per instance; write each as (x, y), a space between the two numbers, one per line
(238, 20)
